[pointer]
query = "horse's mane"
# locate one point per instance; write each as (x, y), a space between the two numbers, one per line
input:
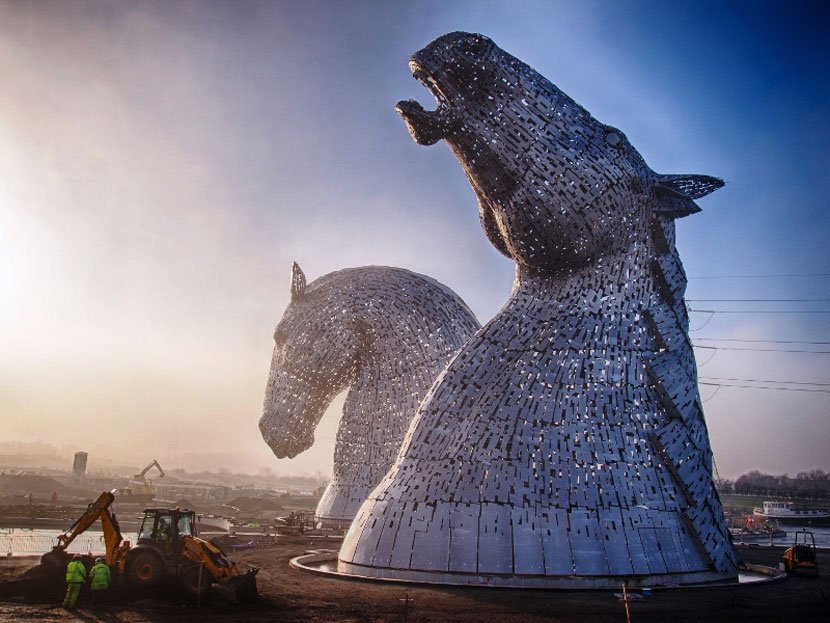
(683, 441)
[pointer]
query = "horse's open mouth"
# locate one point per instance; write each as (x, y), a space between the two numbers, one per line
(427, 126)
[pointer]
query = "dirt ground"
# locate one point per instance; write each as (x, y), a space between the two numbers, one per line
(288, 595)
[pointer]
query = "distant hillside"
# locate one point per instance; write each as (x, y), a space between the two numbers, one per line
(40, 486)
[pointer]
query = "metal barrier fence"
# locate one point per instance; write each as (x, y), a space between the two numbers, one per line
(17, 542)
(39, 544)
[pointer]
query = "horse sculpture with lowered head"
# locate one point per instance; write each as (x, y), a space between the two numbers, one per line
(565, 445)
(383, 333)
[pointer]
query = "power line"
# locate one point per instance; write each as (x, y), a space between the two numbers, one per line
(714, 393)
(759, 276)
(703, 326)
(783, 389)
(756, 300)
(700, 364)
(759, 311)
(715, 378)
(737, 339)
(763, 350)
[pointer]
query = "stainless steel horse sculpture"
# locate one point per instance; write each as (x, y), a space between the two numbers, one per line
(565, 445)
(383, 333)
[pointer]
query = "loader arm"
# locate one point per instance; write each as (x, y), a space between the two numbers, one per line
(207, 554)
(99, 509)
(240, 585)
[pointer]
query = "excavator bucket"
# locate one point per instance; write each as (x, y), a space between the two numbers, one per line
(241, 588)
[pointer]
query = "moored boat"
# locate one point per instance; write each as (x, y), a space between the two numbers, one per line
(787, 513)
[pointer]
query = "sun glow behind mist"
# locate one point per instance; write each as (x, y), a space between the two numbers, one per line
(12, 258)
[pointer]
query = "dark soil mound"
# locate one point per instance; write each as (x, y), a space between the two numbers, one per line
(43, 582)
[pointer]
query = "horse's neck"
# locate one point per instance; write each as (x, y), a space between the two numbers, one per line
(379, 406)
(394, 370)
(616, 284)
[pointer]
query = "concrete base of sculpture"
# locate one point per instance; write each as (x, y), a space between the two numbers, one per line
(324, 562)
(533, 581)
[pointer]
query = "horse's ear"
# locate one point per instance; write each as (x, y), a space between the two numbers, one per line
(297, 282)
(676, 193)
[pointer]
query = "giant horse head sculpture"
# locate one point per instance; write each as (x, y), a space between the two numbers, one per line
(382, 333)
(316, 354)
(557, 189)
(565, 445)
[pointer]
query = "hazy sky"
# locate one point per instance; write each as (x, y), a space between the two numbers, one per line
(162, 164)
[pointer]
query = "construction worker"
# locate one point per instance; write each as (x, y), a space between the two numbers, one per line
(99, 579)
(75, 578)
(166, 530)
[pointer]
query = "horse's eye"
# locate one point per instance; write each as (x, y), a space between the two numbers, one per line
(473, 45)
(614, 139)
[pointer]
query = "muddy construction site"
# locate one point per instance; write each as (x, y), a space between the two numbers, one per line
(290, 595)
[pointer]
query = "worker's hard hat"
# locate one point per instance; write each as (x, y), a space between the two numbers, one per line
(99, 560)
(77, 557)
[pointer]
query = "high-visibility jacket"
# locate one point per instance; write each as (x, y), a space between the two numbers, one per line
(75, 572)
(99, 575)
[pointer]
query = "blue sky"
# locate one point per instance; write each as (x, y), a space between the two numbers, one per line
(164, 163)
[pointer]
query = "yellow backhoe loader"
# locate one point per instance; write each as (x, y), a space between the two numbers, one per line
(167, 549)
(800, 559)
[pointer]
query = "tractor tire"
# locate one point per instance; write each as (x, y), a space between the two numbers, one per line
(195, 586)
(144, 569)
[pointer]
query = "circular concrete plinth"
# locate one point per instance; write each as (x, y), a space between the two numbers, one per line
(324, 562)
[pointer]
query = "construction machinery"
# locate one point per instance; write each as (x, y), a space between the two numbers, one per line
(800, 559)
(140, 477)
(140, 486)
(167, 549)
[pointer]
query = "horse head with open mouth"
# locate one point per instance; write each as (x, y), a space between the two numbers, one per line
(565, 445)
(384, 334)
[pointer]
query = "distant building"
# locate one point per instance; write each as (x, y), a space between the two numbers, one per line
(79, 465)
